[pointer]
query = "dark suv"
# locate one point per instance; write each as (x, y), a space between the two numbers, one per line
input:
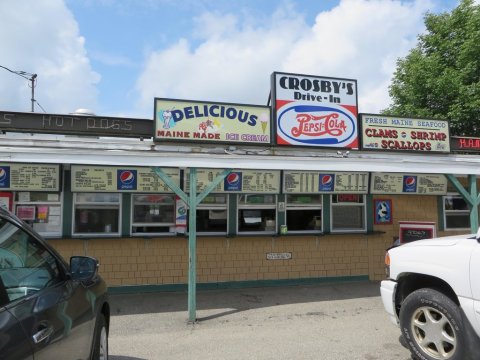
(48, 309)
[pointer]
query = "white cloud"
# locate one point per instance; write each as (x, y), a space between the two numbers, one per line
(359, 39)
(42, 37)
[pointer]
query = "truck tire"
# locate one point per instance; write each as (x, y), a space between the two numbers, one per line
(432, 326)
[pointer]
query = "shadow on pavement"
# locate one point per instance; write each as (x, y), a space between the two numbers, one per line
(119, 357)
(236, 300)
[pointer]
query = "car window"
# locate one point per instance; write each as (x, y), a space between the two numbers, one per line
(26, 266)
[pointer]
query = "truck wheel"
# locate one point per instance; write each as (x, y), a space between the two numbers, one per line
(432, 326)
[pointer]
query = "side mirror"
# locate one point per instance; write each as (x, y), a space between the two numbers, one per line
(83, 268)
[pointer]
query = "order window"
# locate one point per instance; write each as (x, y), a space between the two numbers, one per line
(456, 212)
(212, 214)
(153, 214)
(96, 213)
(348, 213)
(304, 213)
(257, 213)
(41, 210)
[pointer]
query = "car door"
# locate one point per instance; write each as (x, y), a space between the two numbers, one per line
(14, 344)
(54, 312)
(475, 283)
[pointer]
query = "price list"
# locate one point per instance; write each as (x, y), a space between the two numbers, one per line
(414, 184)
(308, 182)
(351, 183)
(149, 181)
(33, 177)
(106, 179)
(93, 178)
(261, 181)
(253, 181)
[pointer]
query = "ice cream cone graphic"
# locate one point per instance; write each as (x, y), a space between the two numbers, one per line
(264, 122)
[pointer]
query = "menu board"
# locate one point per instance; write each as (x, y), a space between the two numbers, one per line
(30, 177)
(414, 184)
(115, 178)
(308, 182)
(239, 181)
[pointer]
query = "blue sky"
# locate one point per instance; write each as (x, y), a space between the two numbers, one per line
(114, 57)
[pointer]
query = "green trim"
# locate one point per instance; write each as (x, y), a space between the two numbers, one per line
(281, 215)
(67, 205)
(232, 214)
(441, 219)
(135, 289)
(370, 212)
(326, 226)
(126, 213)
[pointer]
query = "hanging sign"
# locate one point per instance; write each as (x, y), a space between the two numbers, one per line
(30, 177)
(404, 134)
(310, 182)
(238, 181)
(114, 178)
(413, 184)
(315, 111)
(182, 120)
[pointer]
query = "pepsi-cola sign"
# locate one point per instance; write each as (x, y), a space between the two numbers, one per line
(315, 111)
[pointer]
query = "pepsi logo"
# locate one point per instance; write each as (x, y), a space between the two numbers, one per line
(3, 174)
(327, 180)
(233, 179)
(410, 181)
(127, 177)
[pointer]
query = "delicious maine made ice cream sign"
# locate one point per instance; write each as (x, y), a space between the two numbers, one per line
(180, 120)
(315, 111)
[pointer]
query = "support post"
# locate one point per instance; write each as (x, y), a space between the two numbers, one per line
(192, 200)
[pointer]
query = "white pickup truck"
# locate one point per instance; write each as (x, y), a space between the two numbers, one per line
(433, 294)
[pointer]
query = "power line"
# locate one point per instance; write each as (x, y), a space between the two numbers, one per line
(30, 77)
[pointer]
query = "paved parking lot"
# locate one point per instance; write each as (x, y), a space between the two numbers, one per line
(326, 321)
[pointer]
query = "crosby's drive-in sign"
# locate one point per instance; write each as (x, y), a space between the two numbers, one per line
(315, 111)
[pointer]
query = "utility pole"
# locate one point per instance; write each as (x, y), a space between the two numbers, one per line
(29, 77)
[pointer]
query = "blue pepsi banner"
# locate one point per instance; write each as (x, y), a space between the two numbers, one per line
(29, 177)
(311, 182)
(315, 111)
(88, 178)
(409, 184)
(238, 181)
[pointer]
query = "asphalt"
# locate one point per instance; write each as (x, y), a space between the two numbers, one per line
(325, 321)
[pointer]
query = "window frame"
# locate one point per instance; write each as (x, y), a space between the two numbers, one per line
(272, 206)
(363, 205)
(153, 224)
(457, 212)
(58, 203)
(215, 206)
(98, 205)
(299, 207)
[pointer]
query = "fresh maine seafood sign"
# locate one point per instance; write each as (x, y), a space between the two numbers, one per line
(315, 111)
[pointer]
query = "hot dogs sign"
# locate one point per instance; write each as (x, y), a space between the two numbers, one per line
(315, 111)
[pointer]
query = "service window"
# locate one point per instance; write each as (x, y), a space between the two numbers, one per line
(96, 214)
(212, 214)
(304, 213)
(153, 214)
(41, 210)
(348, 213)
(456, 213)
(257, 213)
